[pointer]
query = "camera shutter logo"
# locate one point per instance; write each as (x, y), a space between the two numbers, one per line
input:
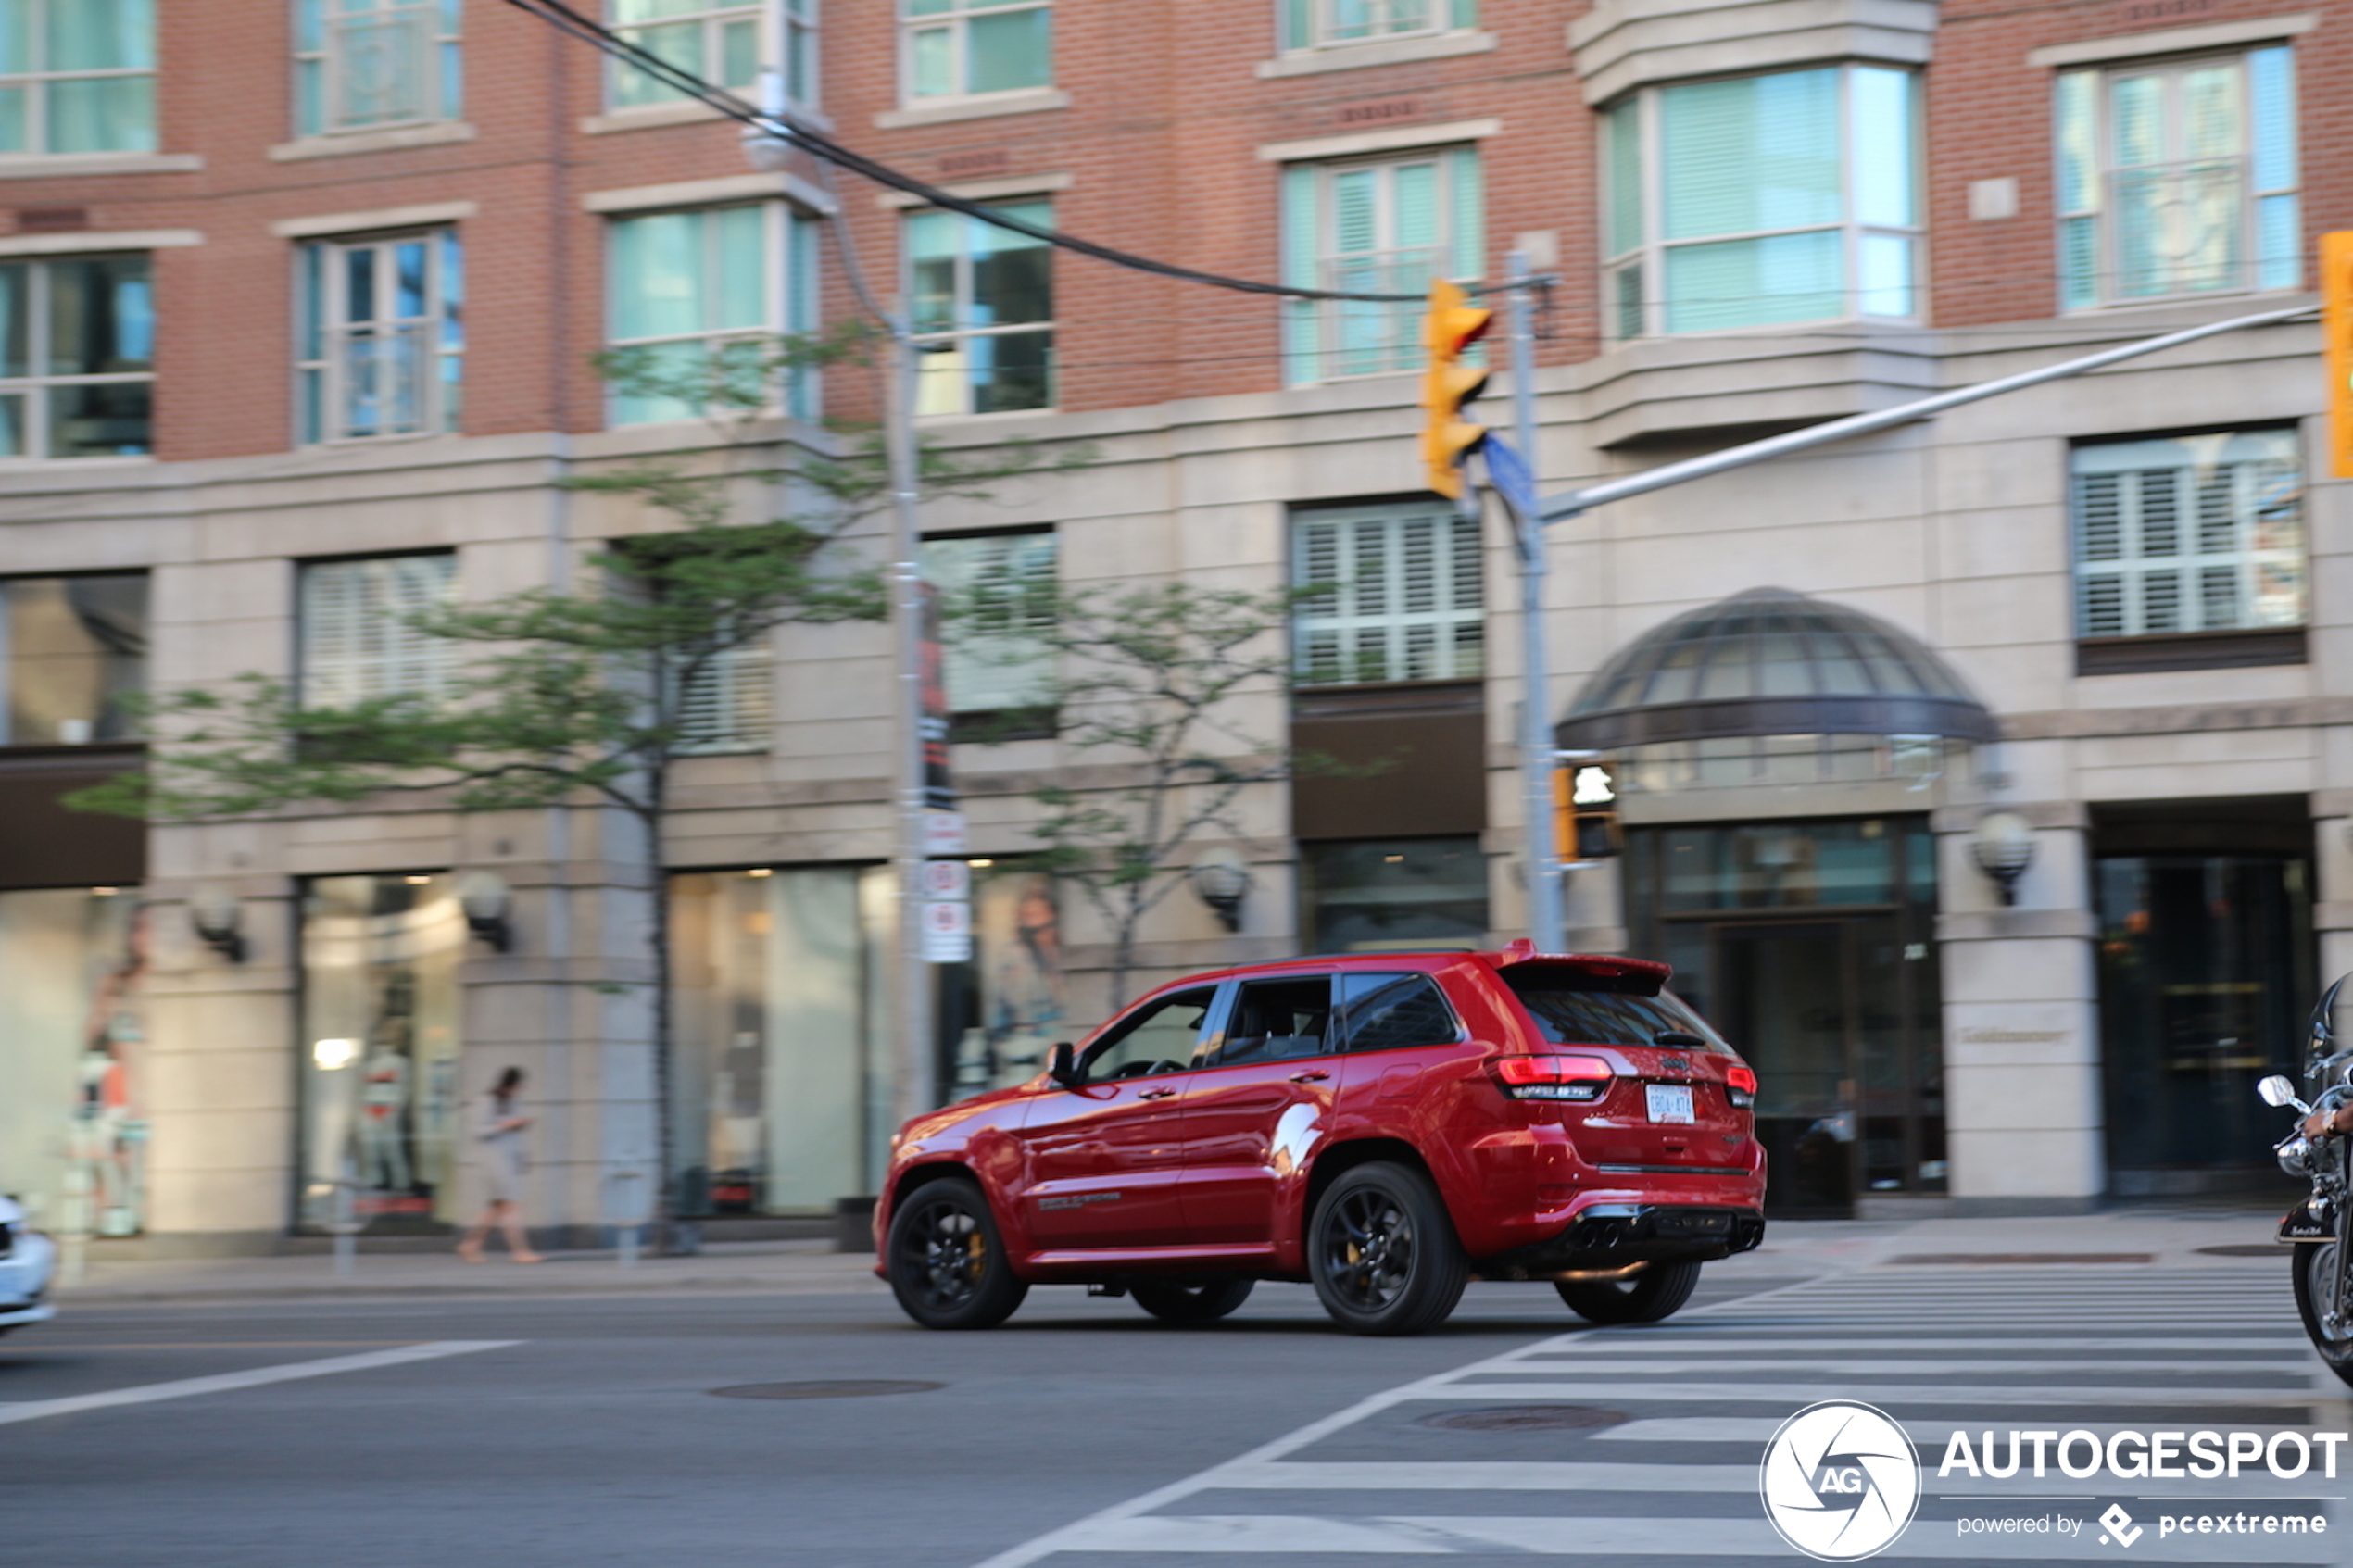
(1839, 1481)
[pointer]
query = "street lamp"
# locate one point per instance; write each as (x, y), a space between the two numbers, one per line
(485, 899)
(219, 919)
(2003, 848)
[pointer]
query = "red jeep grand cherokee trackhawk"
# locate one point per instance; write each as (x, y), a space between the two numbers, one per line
(1387, 1125)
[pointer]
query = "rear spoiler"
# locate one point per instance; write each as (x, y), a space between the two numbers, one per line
(1642, 976)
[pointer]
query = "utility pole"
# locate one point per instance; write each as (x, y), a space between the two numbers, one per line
(910, 973)
(1540, 865)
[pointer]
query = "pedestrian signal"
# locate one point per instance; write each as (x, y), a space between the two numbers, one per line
(1585, 811)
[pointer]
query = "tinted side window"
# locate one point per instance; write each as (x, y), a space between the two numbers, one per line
(1384, 1011)
(1157, 1037)
(1279, 1021)
(1569, 1014)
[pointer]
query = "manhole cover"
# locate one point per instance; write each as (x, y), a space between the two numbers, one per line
(2245, 1249)
(849, 1389)
(1526, 1418)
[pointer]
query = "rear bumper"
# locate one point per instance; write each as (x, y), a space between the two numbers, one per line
(1611, 1235)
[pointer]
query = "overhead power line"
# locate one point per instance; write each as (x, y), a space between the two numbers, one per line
(799, 133)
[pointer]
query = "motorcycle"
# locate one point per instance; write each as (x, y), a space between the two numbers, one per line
(2321, 1228)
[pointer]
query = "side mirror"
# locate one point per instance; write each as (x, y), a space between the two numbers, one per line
(2278, 1090)
(1062, 1065)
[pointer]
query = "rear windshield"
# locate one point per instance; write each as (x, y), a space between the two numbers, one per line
(1585, 1009)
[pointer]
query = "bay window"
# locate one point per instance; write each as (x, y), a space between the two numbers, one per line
(1762, 200)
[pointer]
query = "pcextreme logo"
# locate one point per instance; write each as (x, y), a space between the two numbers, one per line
(1841, 1481)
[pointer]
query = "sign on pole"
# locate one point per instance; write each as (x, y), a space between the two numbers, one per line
(943, 832)
(947, 880)
(1508, 472)
(948, 931)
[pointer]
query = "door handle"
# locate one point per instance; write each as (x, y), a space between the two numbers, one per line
(1313, 1075)
(1156, 1094)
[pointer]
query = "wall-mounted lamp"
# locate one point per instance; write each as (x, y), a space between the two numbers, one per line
(2003, 848)
(1221, 879)
(219, 919)
(484, 898)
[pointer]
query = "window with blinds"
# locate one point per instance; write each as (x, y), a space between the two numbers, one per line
(356, 642)
(1401, 597)
(1390, 227)
(2189, 533)
(1002, 587)
(728, 702)
(1757, 200)
(2179, 179)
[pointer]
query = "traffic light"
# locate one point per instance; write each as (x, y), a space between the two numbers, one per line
(1452, 325)
(1585, 811)
(2337, 345)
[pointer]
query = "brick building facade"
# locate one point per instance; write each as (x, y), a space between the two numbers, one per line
(302, 303)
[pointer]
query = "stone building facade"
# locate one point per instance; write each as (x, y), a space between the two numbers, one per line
(299, 319)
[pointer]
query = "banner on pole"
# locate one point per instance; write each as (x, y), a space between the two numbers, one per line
(1508, 472)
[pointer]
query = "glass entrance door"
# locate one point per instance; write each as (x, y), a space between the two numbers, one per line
(1783, 994)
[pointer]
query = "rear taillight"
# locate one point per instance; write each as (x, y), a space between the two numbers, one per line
(1739, 1086)
(1553, 1077)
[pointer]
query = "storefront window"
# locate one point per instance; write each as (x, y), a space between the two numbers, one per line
(780, 1080)
(72, 1064)
(1005, 1010)
(380, 1101)
(1373, 894)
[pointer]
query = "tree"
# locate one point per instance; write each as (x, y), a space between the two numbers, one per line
(1143, 680)
(586, 693)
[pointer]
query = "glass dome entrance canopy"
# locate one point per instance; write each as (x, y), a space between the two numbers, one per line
(1773, 663)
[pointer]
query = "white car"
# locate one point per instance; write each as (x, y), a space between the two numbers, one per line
(27, 1260)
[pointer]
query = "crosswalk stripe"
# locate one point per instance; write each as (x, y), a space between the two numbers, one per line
(1907, 1342)
(1795, 1396)
(1445, 1536)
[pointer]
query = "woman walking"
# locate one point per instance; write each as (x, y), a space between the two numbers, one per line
(502, 1127)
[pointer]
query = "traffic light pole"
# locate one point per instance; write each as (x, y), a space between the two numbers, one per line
(911, 1010)
(1541, 864)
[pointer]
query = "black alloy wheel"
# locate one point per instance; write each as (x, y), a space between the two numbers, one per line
(1657, 1293)
(1383, 1253)
(1202, 1302)
(2315, 1294)
(947, 1265)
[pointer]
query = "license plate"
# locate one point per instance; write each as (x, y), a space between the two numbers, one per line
(1669, 1102)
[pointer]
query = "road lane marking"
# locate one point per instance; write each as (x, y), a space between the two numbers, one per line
(1929, 1436)
(73, 1349)
(1797, 1396)
(255, 1377)
(1585, 1536)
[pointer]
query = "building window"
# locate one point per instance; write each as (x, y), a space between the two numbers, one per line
(696, 300)
(1308, 24)
(1001, 589)
(71, 649)
(356, 641)
(365, 65)
(2179, 179)
(1400, 598)
(965, 48)
(383, 340)
(77, 358)
(76, 76)
(716, 40)
(2189, 533)
(1375, 228)
(727, 702)
(1758, 200)
(984, 311)
(1369, 895)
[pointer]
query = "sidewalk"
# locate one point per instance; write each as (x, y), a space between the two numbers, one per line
(2124, 1239)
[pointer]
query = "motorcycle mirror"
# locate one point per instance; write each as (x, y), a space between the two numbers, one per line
(1062, 1068)
(2323, 1026)
(2278, 1090)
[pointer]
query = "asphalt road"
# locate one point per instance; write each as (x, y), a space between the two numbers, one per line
(1086, 1434)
